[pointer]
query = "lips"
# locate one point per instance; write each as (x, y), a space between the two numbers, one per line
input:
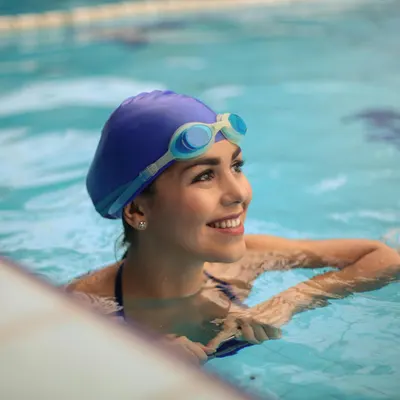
(231, 221)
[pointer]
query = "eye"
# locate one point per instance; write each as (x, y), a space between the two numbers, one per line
(204, 176)
(238, 166)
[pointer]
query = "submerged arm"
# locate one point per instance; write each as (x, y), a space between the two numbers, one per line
(363, 266)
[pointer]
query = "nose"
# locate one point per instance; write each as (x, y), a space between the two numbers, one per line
(235, 190)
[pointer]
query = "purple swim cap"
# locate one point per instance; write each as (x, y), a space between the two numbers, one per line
(137, 134)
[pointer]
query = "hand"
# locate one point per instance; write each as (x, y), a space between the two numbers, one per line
(195, 352)
(245, 325)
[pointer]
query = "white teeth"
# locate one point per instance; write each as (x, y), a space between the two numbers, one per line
(229, 223)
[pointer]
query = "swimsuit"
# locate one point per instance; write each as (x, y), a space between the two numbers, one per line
(227, 348)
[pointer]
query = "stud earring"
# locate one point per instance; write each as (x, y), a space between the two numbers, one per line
(142, 225)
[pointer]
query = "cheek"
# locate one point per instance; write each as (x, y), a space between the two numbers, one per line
(196, 206)
(182, 212)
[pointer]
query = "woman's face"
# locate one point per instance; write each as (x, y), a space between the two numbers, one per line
(200, 205)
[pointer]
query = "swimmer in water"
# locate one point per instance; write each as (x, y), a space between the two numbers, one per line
(171, 169)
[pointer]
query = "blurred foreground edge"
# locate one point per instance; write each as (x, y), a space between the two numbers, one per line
(52, 348)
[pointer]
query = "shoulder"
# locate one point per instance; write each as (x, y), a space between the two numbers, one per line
(100, 304)
(100, 282)
(95, 290)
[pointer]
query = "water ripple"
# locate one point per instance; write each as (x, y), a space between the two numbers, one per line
(47, 95)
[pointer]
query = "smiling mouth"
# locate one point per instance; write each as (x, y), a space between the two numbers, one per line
(226, 224)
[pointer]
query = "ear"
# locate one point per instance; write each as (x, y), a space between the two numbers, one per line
(134, 215)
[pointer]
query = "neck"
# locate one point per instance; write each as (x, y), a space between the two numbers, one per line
(161, 273)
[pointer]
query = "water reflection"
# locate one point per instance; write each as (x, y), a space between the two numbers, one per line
(383, 124)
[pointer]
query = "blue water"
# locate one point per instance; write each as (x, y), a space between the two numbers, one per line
(321, 94)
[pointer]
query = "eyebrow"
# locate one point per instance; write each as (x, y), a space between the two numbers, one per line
(210, 160)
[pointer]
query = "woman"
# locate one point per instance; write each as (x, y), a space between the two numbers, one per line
(171, 169)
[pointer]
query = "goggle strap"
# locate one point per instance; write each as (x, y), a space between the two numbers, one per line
(153, 168)
(143, 177)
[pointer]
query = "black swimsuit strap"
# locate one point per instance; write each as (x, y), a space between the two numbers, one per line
(118, 291)
(225, 288)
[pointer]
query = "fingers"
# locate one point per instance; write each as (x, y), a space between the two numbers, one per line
(196, 350)
(245, 328)
(207, 350)
(193, 352)
(260, 333)
(255, 333)
(241, 327)
(249, 332)
(225, 334)
(272, 332)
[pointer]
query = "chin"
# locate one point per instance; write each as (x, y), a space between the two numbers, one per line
(227, 254)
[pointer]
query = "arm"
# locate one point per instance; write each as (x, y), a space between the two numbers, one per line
(338, 253)
(275, 253)
(363, 265)
(271, 253)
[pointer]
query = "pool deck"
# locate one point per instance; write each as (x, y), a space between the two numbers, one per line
(87, 15)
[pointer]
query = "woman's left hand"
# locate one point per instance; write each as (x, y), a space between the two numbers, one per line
(251, 325)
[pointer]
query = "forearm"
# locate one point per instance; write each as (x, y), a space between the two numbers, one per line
(373, 271)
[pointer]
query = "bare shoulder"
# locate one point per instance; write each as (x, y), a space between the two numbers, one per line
(100, 282)
(100, 304)
(95, 290)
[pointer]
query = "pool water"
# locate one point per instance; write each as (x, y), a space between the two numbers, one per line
(320, 92)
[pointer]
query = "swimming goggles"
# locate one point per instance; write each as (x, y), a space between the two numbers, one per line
(188, 141)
